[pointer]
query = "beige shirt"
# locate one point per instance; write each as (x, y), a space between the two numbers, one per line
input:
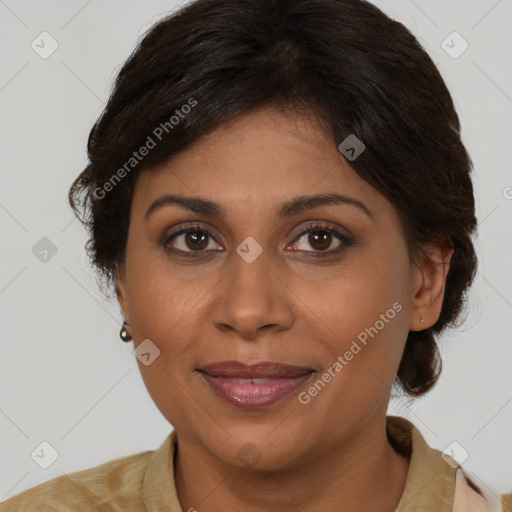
(145, 481)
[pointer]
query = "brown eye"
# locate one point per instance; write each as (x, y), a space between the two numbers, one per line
(196, 240)
(191, 239)
(320, 238)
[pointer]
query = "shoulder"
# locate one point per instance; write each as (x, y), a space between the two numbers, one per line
(112, 486)
(468, 497)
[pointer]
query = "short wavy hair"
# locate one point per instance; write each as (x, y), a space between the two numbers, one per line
(344, 62)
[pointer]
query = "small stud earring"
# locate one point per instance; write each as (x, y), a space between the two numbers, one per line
(422, 321)
(124, 334)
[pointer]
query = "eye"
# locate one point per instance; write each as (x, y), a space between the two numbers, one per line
(195, 239)
(191, 239)
(321, 238)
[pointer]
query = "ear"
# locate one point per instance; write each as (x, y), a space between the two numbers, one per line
(428, 281)
(121, 291)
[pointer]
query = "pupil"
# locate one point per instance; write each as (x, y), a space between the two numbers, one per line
(320, 239)
(197, 239)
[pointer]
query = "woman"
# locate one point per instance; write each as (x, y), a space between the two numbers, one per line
(278, 193)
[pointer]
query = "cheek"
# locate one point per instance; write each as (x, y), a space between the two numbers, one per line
(164, 310)
(354, 296)
(162, 295)
(364, 307)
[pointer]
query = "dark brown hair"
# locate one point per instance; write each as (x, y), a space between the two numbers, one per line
(344, 62)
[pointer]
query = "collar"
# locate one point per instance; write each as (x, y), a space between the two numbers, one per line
(430, 483)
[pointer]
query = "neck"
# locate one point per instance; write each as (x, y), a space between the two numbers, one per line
(364, 473)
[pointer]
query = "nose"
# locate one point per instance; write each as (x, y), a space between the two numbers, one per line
(252, 297)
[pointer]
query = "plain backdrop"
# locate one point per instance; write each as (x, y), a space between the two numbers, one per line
(66, 377)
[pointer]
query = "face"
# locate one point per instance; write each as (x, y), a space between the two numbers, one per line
(328, 288)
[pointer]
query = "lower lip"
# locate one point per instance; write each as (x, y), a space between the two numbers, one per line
(252, 394)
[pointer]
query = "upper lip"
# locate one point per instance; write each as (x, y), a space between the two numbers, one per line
(263, 369)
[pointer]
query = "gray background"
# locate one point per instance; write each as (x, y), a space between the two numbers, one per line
(66, 377)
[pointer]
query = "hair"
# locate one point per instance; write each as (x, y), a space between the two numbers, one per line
(343, 62)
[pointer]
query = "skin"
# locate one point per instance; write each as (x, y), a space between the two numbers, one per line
(282, 307)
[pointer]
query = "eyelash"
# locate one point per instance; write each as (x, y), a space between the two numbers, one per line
(345, 240)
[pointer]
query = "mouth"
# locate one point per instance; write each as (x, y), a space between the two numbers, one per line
(257, 385)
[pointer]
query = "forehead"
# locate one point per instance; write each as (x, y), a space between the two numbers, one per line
(258, 161)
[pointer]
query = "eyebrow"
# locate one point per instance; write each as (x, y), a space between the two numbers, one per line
(292, 207)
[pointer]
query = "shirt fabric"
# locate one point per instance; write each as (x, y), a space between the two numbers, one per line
(145, 482)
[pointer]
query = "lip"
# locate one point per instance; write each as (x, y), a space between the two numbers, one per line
(260, 370)
(234, 381)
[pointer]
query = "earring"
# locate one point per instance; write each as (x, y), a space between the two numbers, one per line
(124, 334)
(422, 321)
